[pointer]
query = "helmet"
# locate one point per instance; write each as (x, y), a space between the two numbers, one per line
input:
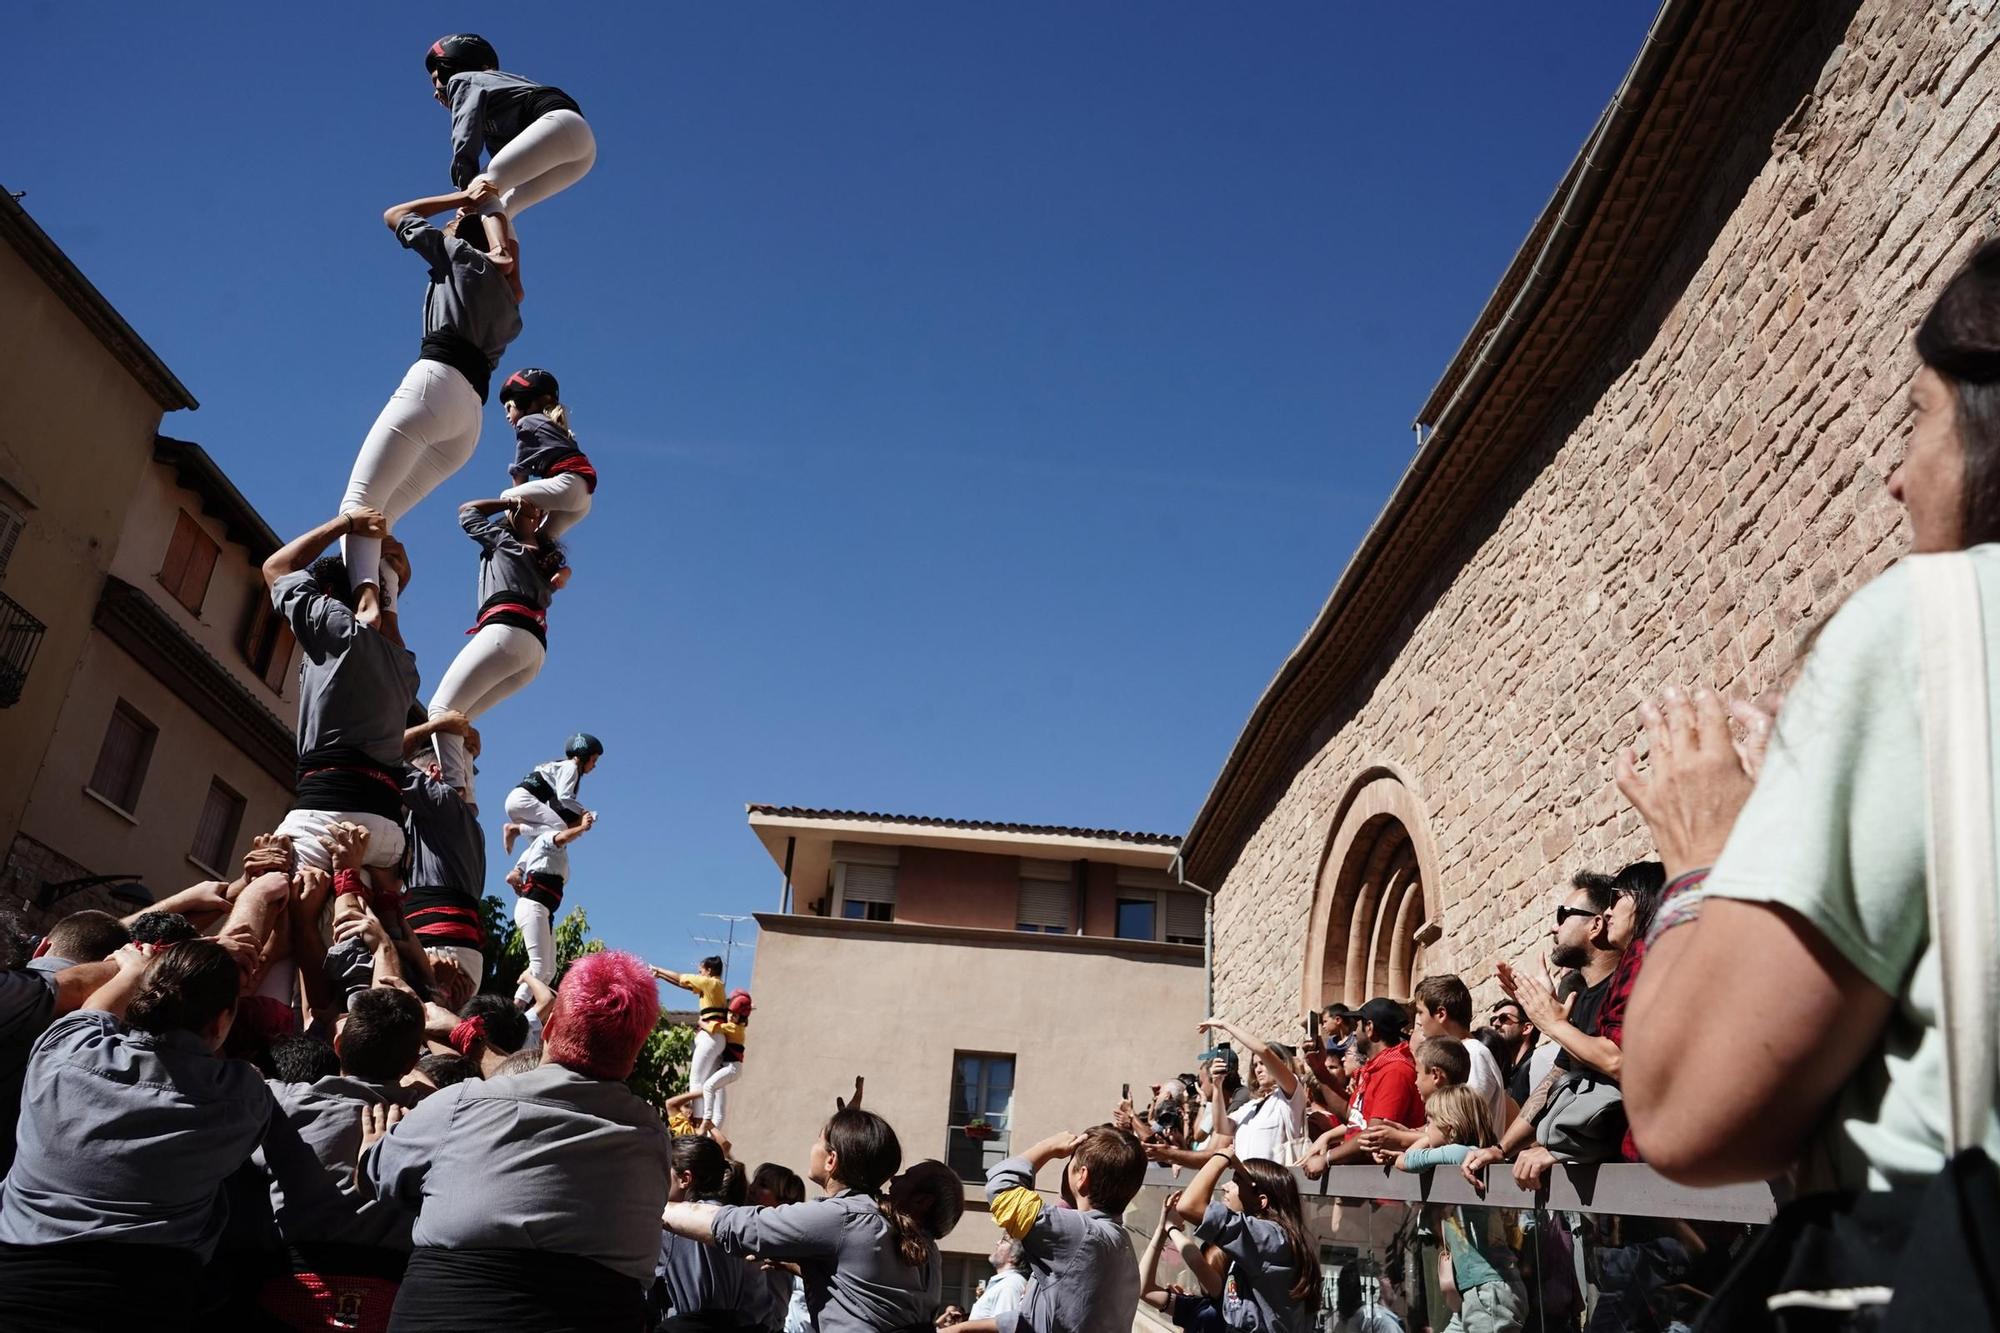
(459, 52)
(529, 383)
(739, 1002)
(581, 744)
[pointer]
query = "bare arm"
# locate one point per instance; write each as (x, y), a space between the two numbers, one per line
(452, 721)
(115, 993)
(1281, 1068)
(695, 1221)
(302, 550)
(76, 985)
(427, 207)
(574, 831)
(1193, 1202)
(197, 902)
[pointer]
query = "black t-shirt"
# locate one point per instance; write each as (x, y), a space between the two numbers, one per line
(1589, 1002)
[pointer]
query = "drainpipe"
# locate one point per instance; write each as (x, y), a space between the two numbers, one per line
(1207, 933)
(785, 895)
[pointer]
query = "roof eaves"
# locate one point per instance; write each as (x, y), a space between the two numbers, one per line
(196, 470)
(973, 825)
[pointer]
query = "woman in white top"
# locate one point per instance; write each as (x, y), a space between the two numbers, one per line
(1274, 1115)
(1813, 917)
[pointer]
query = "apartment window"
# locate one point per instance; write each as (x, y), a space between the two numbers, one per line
(982, 1102)
(1184, 915)
(215, 833)
(1138, 918)
(122, 759)
(189, 563)
(12, 524)
(864, 881)
(268, 642)
(962, 1275)
(1048, 894)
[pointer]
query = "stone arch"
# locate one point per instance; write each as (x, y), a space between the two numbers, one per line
(1376, 907)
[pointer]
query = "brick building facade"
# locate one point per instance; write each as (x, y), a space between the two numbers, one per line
(1658, 457)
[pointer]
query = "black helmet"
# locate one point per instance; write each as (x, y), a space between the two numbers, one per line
(581, 744)
(460, 52)
(529, 383)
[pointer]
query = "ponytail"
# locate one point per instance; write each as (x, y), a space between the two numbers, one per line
(922, 1206)
(559, 414)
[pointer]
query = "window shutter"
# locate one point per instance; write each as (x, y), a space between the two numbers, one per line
(1184, 916)
(215, 834)
(11, 525)
(868, 884)
(866, 853)
(1044, 903)
(281, 658)
(1138, 877)
(178, 550)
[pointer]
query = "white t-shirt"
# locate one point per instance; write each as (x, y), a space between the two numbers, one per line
(1486, 1081)
(1263, 1126)
(1002, 1294)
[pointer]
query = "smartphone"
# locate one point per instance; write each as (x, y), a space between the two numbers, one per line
(1223, 1048)
(1312, 1023)
(1125, 1092)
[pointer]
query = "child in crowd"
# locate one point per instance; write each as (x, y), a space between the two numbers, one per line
(1485, 1276)
(550, 472)
(1442, 1062)
(1271, 1283)
(546, 798)
(710, 1092)
(1082, 1274)
(698, 1287)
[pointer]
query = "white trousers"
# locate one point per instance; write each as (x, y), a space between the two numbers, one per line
(307, 827)
(496, 662)
(702, 1066)
(470, 961)
(564, 497)
(538, 937)
(534, 816)
(713, 1092)
(547, 157)
(427, 431)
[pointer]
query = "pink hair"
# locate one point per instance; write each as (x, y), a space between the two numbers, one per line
(605, 1009)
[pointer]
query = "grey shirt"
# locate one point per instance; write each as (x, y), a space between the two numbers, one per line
(447, 846)
(489, 107)
(355, 685)
(506, 568)
(1259, 1300)
(701, 1277)
(854, 1279)
(127, 1136)
(547, 1160)
(1082, 1274)
(468, 294)
(325, 1117)
(27, 1006)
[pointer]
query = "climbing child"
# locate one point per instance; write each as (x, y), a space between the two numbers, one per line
(706, 983)
(733, 1032)
(549, 471)
(539, 877)
(1484, 1282)
(545, 800)
(430, 425)
(520, 568)
(535, 137)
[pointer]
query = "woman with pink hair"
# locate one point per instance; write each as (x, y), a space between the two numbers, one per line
(537, 1197)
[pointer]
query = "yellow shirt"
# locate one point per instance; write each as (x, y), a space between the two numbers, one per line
(709, 996)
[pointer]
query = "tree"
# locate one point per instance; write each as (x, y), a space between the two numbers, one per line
(663, 1065)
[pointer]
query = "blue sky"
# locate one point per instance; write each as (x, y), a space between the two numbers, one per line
(986, 396)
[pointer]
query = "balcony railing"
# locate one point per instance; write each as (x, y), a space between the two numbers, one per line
(1615, 1246)
(20, 639)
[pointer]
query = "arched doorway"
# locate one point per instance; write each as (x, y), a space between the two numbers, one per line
(1376, 907)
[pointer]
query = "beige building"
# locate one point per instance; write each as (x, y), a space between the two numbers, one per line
(1014, 975)
(1658, 458)
(143, 684)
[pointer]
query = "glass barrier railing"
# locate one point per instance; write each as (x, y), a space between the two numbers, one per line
(1602, 1249)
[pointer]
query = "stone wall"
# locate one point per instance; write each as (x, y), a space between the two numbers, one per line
(1690, 516)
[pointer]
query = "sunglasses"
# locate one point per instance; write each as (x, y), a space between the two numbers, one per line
(1565, 913)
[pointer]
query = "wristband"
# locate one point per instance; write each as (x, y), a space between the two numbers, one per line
(1685, 882)
(1680, 904)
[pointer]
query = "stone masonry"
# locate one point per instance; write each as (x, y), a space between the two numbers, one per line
(1690, 517)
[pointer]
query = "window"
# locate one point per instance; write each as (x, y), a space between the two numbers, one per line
(190, 560)
(982, 1091)
(1137, 918)
(215, 834)
(864, 881)
(268, 642)
(1047, 890)
(11, 525)
(962, 1275)
(122, 759)
(1186, 914)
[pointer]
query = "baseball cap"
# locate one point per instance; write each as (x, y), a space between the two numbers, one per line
(1386, 1015)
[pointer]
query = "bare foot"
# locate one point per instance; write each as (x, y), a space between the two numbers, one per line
(509, 832)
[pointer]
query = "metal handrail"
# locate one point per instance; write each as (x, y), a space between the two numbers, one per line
(20, 640)
(1625, 1189)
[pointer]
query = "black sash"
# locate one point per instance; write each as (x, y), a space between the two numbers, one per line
(448, 1291)
(462, 355)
